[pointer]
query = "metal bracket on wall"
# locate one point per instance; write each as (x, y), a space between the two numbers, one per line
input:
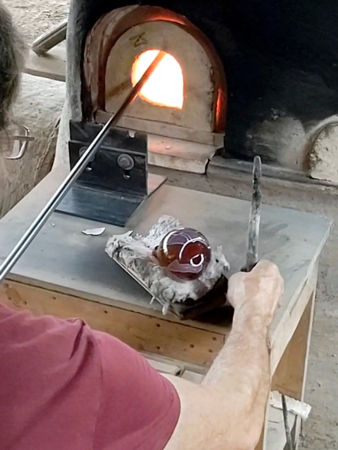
(115, 182)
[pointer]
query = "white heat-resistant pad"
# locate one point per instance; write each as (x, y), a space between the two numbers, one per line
(134, 253)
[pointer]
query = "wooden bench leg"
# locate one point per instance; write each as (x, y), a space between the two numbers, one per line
(290, 375)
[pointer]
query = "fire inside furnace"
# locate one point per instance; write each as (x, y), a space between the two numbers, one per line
(165, 86)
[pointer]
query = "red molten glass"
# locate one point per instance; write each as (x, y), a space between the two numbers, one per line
(185, 253)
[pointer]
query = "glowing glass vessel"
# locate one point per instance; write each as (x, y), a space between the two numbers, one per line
(185, 253)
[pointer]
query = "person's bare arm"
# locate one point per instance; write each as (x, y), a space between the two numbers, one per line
(227, 411)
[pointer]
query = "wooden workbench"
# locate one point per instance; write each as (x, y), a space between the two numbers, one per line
(67, 273)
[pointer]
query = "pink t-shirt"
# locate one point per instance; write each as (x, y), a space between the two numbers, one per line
(64, 386)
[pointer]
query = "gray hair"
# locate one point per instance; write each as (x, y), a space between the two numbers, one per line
(12, 52)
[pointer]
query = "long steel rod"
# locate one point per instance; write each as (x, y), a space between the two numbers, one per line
(41, 219)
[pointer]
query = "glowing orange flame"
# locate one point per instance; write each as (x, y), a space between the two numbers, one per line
(165, 85)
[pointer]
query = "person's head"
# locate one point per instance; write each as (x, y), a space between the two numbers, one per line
(11, 63)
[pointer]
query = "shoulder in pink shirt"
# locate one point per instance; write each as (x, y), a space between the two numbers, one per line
(65, 386)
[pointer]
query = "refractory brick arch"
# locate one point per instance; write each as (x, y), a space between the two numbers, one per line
(280, 60)
(111, 48)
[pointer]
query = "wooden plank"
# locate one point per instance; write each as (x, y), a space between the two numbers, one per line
(194, 377)
(50, 65)
(182, 365)
(287, 365)
(164, 367)
(290, 375)
(63, 259)
(50, 39)
(142, 332)
(289, 320)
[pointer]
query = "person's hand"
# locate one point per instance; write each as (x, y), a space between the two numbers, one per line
(258, 292)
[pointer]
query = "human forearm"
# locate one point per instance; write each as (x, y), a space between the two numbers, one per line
(241, 371)
(244, 358)
(227, 411)
(243, 363)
